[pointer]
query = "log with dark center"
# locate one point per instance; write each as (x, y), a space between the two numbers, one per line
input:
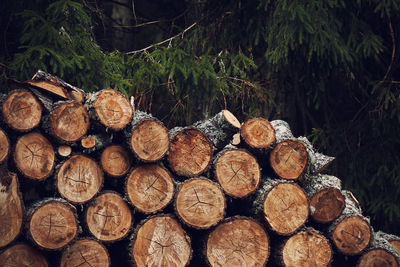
(149, 188)
(85, 252)
(79, 179)
(111, 108)
(258, 133)
(22, 255)
(11, 207)
(200, 203)
(115, 160)
(238, 241)
(34, 156)
(69, 121)
(52, 224)
(161, 241)
(237, 171)
(190, 152)
(307, 248)
(148, 137)
(21, 110)
(109, 218)
(4, 146)
(289, 159)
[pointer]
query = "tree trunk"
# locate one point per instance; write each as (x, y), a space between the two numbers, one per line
(34, 156)
(52, 224)
(115, 161)
(258, 133)
(238, 241)
(79, 179)
(85, 252)
(190, 152)
(282, 131)
(237, 171)
(149, 188)
(21, 110)
(108, 217)
(22, 255)
(161, 241)
(4, 146)
(200, 203)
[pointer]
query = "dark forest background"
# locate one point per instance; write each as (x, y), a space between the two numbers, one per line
(330, 68)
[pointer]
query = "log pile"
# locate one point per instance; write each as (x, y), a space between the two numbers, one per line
(86, 180)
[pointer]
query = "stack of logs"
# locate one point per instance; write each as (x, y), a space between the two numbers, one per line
(85, 180)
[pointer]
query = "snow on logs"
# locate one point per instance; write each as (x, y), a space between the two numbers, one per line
(97, 183)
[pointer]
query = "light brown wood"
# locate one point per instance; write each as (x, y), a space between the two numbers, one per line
(109, 218)
(22, 255)
(85, 252)
(286, 208)
(21, 110)
(88, 142)
(378, 258)
(149, 188)
(231, 119)
(64, 151)
(396, 245)
(69, 121)
(238, 241)
(258, 133)
(34, 156)
(161, 241)
(53, 225)
(50, 87)
(289, 159)
(307, 248)
(112, 109)
(149, 140)
(115, 160)
(238, 172)
(79, 179)
(190, 153)
(11, 207)
(327, 205)
(200, 203)
(4, 146)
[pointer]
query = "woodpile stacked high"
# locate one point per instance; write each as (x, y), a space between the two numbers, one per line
(85, 180)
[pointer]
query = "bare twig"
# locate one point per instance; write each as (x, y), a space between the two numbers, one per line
(393, 53)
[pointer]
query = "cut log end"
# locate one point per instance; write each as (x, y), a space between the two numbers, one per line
(238, 172)
(4, 146)
(88, 142)
(149, 140)
(34, 156)
(53, 225)
(286, 208)
(352, 235)
(200, 203)
(64, 151)
(79, 179)
(289, 159)
(69, 121)
(22, 255)
(231, 119)
(50, 87)
(113, 109)
(307, 248)
(378, 257)
(396, 245)
(258, 133)
(21, 110)
(161, 241)
(85, 252)
(109, 217)
(149, 188)
(327, 204)
(115, 160)
(239, 241)
(11, 208)
(190, 153)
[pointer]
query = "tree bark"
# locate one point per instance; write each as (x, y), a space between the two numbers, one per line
(21, 110)
(200, 203)
(52, 224)
(115, 161)
(79, 179)
(34, 156)
(238, 241)
(4, 146)
(22, 255)
(108, 217)
(237, 171)
(393, 240)
(149, 188)
(161, 241)
(85, 252)
(258, 133)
